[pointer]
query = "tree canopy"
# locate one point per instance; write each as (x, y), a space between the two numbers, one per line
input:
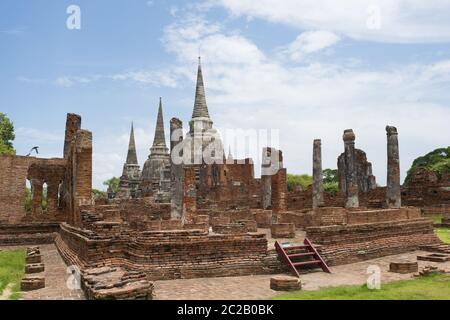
(7, 135)
(113, 183)
(330, 181)
(437, 161)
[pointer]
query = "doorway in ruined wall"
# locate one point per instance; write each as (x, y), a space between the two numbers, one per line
(60, 194)
(28, 196)
(44, 201)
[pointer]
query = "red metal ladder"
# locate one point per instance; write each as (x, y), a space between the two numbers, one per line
(307, 251)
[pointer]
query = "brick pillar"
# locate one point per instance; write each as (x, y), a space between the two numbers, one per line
(52, 196)
(271, 162)
(73, 124)
(189, 195)
(393, 193)
(266, 190)
(83, 173)
(36, 200)
(176, 168)
(317, 187)
(352, 200)
(279, 190)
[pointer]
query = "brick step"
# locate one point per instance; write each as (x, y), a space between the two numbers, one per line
(295, 248)
(304, 254)
(286, 258)
(306, 263)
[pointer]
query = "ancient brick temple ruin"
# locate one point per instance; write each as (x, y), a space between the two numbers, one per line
(68, 180)
(185, 219)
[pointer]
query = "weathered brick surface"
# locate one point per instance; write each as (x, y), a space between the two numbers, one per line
(282, 230)
(404, 267)
(230, 228)
(28, 234)
(341, 244)
(285, 283)
(34, 268)
(32, 282)
(108, 283)
(263, 217)
(170, 254)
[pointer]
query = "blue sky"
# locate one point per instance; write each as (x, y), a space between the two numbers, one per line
(308, 68)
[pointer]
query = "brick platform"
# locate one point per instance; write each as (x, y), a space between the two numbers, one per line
(282, 230)
(403, 267)
(32, 282)
(285, 283)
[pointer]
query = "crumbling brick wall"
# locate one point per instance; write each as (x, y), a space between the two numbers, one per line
(343, 244)
(68, 179)
(14, 172)
(170, 254)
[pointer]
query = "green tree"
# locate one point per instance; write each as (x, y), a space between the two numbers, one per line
(294, 180)
(7, 135)
(330, 175)
(113, 183)
(437, 161)
(98, 194)
(330, 180)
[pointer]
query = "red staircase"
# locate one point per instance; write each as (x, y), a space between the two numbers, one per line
(301, 256)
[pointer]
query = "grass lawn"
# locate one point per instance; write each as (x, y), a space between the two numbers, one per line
(12, 267)
(443, 234)
(437, 218)
(434, 287)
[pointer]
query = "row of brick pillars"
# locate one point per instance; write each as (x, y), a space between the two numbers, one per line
(37, 189)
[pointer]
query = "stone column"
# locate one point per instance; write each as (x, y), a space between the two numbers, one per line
(393, 192)
(36, 200)
(317, 187)
(352, 200)
(176, 168)
(266, 179)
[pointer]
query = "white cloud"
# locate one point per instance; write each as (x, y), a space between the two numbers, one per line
(309, 42)
(163, 78)
(31, 134)
(247, 89)
(375, 20)
(64, 82)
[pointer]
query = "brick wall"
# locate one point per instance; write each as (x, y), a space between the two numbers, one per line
(352, 243)
(171, 254)
(14, 171)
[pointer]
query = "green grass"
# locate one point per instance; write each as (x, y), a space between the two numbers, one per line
(437, 218)
(443, 234)
(12, 267)
(434, 287)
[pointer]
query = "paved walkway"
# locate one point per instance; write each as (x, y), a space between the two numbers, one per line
(55, 278)
(258, 287)
(233, 288)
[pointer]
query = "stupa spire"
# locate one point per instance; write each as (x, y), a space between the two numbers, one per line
(200, 107)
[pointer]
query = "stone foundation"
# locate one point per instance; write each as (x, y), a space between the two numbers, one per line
(285, 283)
(435, 257)
(28, 234)
(169, 254)
(30, 283)
(404, 267)
(282, 230)
(343, 244)
(263, 218)
(34, 268)
(231, 228)
(115, 284)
